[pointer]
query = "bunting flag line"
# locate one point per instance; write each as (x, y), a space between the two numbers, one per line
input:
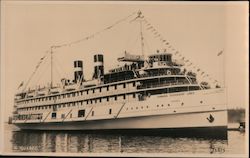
(21, 84)
(220, 53)
(94, 34)
(149, 28)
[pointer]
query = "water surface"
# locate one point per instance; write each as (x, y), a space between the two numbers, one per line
(80, 142)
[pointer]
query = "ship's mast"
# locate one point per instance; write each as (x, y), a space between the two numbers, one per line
(51, 68)
(139, 16)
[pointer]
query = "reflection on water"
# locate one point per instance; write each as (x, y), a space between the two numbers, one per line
(75, 142)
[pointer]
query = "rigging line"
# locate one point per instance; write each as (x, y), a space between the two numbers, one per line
(134, 43)
(94, 34)
(60, 66)
(44, 70)
(146, 42)
(131, 32)
(155, 32)
(163, 41)
(36, 68)
(57, 70)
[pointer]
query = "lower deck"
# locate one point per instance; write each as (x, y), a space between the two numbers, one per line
(164, 104)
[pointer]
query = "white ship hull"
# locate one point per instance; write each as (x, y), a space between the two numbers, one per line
(189, 120)
(212, 114)
(188, 125)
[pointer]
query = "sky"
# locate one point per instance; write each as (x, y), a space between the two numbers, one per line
(198, 30)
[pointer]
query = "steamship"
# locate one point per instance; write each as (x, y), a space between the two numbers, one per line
(147, 93)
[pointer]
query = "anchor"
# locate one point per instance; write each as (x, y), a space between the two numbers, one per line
(210, 118)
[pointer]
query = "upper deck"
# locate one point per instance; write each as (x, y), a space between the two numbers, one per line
(156, 72)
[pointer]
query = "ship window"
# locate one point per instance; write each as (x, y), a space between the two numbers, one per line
(93, 113)
(107, 88)
(90, 101)
(95, 100)
(124, 85)
(63, 116)
(100, 100)
(133, 84)
(124, 96)
(81, 92)
(110, 111)
(100, 89)
(115, 86)
(53, 115)
(87, 91)
(134, 95)
(87, 102)
(107, 98)
(115, 97)
(81, 113)
(93, 90)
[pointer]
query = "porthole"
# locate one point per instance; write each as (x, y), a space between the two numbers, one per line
(182, 104)
(201, 101)
(168, 104)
